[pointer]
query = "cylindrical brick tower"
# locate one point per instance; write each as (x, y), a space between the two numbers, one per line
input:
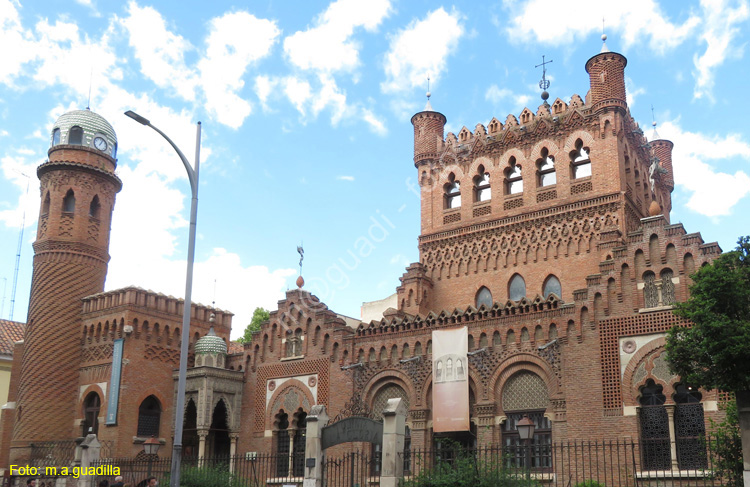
(663, 150)
(607, 78)
(71, 252)
(429, 129)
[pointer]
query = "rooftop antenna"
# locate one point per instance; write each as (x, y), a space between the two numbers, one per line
(213, 301)
(2, 305)
(544, 83)
(18, 250)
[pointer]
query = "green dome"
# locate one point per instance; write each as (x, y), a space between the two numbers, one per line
(210, 343)
(93, 125)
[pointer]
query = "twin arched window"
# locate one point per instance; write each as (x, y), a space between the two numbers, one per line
(452, 193)
(581, 164)
(513, 178)
(517, 290)
(546, 169)
(552, 286)
(482, 190)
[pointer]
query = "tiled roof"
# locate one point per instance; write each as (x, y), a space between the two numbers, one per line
(10, 331)
(235, 347)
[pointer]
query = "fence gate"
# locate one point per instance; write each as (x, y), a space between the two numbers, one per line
(353, 469)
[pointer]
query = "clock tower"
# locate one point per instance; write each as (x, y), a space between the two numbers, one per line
(78, 187)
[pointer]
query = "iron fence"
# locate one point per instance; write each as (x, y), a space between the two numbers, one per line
(616, 463)
(60, 453)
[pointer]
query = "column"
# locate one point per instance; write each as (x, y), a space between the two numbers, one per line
(314, 455)
(672, 437)
(485, 414)
(232, 450)
(394, 430)
(202, 434)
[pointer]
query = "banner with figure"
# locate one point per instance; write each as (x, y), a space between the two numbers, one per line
(450, 380)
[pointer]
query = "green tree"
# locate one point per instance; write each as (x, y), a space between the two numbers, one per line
(260, 315)
(713, 352)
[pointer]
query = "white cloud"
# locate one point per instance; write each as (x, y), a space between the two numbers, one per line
(376, 124)
(235, 41)
(298, 91)
(497, 95)
(719, 30)
(699, 161)
(633, 21)
(13, 34)
(161, 53)
(329, 45)
(345, 178)
(421, 49)
(21, 172)
(632, 92)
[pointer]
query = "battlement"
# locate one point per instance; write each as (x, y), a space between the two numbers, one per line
(136, 296)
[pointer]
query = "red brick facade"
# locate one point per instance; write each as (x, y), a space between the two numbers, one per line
(589, 347)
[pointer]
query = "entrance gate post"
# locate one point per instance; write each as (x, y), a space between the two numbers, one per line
(394, 431)
(316, 420)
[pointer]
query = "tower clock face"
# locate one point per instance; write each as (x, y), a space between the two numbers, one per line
(100, 143)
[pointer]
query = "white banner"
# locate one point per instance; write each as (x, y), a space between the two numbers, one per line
(450, 380)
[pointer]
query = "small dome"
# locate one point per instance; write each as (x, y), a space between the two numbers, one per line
(654, 209)
(95, 132)
(210, 343)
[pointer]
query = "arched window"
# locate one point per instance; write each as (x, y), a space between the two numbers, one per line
(689, 428)
(75, 135)
(516, 288)
(94, 207)
(298, 445)
(655, 446)
(91, 407)
(69, 202)
(525, 394)
(513, 179)
(379, 402)
(546, 169)
(580, 162)
(56, 136)
(667, 287)
(281, 432)
(149, 415)
(452, 193)
(294, 344)
(650, 293)
(482, 190)
(484, 297)
(552, 286)
(45, 205)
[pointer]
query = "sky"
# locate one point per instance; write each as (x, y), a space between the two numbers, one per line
(306, 136)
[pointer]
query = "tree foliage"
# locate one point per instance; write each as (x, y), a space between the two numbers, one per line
(713, 352)
(260, 315)
(726, 444)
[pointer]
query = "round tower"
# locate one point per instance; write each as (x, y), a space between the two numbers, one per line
(663, 150)
(607, 78)
(71, 252)
(429, 127)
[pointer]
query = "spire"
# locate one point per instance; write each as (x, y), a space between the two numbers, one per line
(655, 134)
(604, 44)
(428, 106)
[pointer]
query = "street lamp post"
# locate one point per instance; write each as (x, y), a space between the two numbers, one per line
(150, 448)
(179, 407)
(525, 429)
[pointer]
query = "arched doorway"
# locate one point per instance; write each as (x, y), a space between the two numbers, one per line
(218, 435)
(91, 406)
(190, 431)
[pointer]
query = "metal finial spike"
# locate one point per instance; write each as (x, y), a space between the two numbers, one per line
(301, 253)
(544, 83)
(428, 88)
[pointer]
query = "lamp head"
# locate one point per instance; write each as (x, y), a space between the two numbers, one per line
(137, 118)
(525, 428)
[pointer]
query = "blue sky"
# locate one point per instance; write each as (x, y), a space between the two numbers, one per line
(305, 109)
